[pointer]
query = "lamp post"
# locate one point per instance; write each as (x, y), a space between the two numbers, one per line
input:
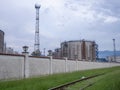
(44, 51)
(25, 49)
(26, 63)
(114, 50)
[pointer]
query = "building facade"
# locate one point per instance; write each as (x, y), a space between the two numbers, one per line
(57, 53)
(111, 59)
(1, 41)
(78, 49)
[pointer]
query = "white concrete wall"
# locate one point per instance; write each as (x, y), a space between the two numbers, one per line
(84, 65)
(38, 66)
(58, 66)
(13, 66)
(71, 65)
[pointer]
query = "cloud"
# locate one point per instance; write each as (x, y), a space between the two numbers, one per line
(111, 19)
(60, 20)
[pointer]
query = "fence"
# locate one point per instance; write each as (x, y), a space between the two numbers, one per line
(24, 66)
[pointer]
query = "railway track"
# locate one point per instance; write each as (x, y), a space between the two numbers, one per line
(63, 86)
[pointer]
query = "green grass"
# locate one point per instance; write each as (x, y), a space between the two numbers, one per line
(109, 81)
(46, 82)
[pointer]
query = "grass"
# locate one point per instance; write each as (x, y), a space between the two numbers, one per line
(109, 81)
(46, 82)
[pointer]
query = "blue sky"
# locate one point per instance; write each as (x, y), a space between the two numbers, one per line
(60, 20)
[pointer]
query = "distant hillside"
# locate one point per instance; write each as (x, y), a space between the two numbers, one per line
(104, 54)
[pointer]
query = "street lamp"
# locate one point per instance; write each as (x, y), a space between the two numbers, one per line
(25, 49)
(50, 52)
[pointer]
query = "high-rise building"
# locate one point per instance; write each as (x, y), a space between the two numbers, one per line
(78, 49)
(1, 41)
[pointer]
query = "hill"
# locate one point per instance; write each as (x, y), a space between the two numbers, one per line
(104, 54)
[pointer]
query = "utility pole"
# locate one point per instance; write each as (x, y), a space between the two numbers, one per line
(114, 50)
(44, 51)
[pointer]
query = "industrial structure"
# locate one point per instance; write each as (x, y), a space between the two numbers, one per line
(37, 42)
(1, 41)
(78, 49)
(3, 48)
(114, 50)
(111, 58)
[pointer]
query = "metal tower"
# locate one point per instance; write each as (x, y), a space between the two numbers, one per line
(114, 50)
(37, 42)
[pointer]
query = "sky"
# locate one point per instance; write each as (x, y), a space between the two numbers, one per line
(60, 20)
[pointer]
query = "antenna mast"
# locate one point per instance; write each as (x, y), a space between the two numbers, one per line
(37, 43)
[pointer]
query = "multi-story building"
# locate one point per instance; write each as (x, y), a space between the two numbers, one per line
(57, 53)
(3, 48)
(78, 49)
(113, 58)
(1, 41)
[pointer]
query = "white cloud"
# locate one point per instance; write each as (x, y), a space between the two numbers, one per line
(111, 19)
(59, 20)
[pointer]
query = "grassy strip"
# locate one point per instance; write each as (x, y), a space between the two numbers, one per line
(109, 81)
(46, 82)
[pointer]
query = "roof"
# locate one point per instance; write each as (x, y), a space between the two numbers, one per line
(78, 41)
(1, 31)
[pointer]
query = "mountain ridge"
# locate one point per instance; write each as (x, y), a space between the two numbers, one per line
(104, 54)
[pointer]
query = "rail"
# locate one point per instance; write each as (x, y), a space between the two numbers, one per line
(62, 87)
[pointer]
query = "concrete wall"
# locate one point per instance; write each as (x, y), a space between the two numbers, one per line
(83, 65)
(11, 66)
(38, 66)
(58, 66)
(20, 66)
(71, 66)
